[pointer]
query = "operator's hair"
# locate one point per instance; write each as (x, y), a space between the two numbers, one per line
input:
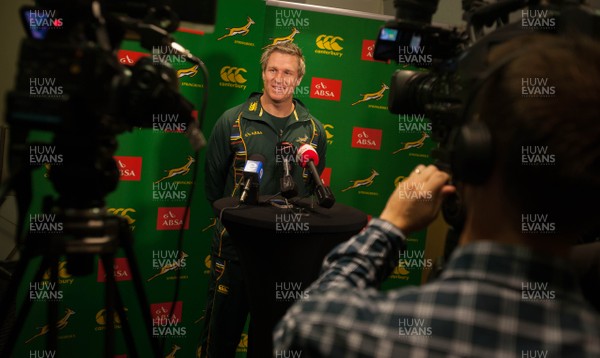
(289, 48)
(567, 124)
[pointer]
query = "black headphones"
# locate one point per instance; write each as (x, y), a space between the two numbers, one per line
(471, 145)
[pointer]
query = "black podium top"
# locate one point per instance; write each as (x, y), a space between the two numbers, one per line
(281, 251)
(264, 216)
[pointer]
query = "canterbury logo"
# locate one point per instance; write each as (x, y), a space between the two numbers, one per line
(326, 42)
(400, 270)
(327, 133)
(124, 213)
(233, 74)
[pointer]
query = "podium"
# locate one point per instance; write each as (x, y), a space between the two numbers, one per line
(281, 251)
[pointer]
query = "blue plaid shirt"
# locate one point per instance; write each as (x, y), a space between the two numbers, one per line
(492, 300)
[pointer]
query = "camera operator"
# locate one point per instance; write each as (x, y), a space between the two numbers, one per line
(505, 291)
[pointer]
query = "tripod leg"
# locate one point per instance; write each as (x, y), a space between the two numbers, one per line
(125, 326)
(52, 338)
(139, 288)
(109, 294)
(10, 296)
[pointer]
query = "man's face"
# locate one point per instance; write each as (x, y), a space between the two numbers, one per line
(280, 77)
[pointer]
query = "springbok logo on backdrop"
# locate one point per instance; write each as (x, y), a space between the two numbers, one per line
(283, 39)
(329, 45)
(239, 31)
(233, 77)
(171, 190)
(373, 96)
(243, 345)
(166, 261)
(60, 325)
(413, 144)
(187, 72)
(178, 171)
(366, 182)
(174, 350)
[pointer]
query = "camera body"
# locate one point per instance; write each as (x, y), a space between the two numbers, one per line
(71, 83)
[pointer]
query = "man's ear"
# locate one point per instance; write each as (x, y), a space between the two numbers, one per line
(298, 81)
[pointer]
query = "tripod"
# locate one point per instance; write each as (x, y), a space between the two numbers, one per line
(86, 233)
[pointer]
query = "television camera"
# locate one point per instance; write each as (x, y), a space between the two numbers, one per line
(443, 66)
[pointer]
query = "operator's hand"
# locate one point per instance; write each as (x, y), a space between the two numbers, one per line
(417, 199)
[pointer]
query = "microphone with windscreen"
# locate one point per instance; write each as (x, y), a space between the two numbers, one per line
(286, 154)
(308, 157)
(253, 173)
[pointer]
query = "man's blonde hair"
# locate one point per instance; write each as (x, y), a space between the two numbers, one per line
(288, 48)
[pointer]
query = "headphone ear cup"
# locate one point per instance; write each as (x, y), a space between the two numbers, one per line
(471, 153)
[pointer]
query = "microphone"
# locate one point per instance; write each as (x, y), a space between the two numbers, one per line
(253, 173)
(286, 152)
(308, 157)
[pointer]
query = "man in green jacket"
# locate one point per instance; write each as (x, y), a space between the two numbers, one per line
(253, 127)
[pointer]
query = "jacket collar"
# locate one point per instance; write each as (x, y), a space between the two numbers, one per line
(252, 109)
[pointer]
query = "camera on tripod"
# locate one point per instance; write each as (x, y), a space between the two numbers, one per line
(71, 83)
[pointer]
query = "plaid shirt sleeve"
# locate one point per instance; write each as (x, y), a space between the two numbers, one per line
(330, 317)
